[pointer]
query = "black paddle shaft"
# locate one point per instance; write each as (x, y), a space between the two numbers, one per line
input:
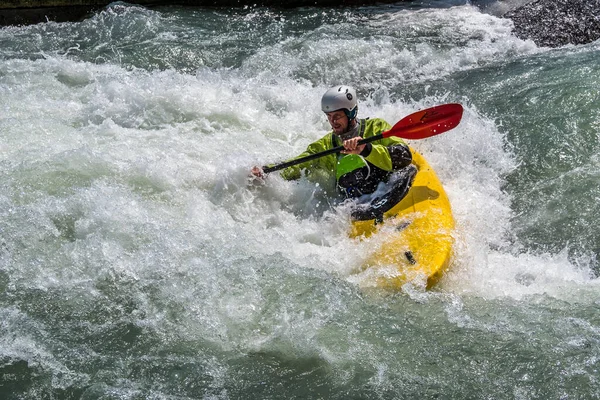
(267, 169)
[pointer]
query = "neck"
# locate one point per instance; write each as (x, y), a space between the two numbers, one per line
(351, 132)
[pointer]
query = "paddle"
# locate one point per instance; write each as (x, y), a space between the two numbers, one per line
(420, 125)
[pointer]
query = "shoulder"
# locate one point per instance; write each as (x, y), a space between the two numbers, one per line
(377, 124)
(323, 143)
(375, 120)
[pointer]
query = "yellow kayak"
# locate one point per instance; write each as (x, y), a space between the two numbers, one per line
(414, 237)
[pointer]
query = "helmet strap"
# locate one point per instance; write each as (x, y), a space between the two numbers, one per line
(351, 114)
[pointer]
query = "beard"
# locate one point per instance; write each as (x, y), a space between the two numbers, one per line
(351, 132)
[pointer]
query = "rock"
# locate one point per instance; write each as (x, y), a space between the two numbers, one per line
(555, 23)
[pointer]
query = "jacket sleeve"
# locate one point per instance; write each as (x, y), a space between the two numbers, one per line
(389, 154)
(295, 171)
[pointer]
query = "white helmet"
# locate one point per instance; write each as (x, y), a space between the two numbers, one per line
(340, 98)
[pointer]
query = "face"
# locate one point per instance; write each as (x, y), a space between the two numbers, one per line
(338, 121)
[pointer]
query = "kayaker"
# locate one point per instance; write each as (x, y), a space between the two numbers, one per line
(360, 167)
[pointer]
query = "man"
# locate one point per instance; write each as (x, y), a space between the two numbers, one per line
(359, 168)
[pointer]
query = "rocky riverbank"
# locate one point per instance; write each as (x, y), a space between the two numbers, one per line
(555, 23)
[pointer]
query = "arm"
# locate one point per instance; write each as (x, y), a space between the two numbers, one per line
(295, 171)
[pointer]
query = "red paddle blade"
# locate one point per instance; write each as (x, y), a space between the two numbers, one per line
(426, 123)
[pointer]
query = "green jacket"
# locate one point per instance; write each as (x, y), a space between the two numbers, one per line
(389, 154)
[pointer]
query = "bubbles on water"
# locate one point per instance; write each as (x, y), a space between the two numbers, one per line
(134, 246)
(136, 179)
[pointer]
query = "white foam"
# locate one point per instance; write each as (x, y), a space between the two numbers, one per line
(163, 156)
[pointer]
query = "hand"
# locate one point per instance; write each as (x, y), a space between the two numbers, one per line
(351, 146)
(257, 172)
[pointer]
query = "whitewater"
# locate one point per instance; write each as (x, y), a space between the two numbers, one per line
(138, 261)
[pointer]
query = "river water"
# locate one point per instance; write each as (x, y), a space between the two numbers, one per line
(137, 262)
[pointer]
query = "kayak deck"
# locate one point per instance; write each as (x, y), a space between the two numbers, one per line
(414, 241)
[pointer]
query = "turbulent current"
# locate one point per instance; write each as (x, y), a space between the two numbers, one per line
(137, 261)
